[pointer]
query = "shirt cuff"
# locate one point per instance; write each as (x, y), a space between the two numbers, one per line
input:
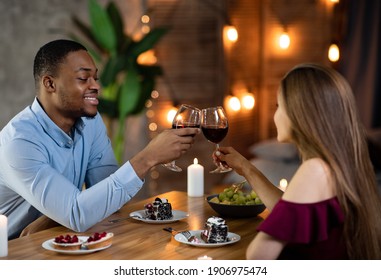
(126, 175)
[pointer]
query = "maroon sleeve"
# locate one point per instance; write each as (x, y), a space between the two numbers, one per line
(303, 223)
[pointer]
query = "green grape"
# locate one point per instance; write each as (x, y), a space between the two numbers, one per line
(230, 197)
(241, 200)
(253, 194)
(229, 194)
(258, 200)
(222, 196)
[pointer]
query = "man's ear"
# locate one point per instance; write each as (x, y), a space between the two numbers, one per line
(48, 83)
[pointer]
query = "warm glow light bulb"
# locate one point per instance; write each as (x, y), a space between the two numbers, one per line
(283, 184)
(234, 103)
(155, 94)
(171, 114)
(145, 19)
(333, 53)
(148, 103)
(150, 113)
(147, 58)
(232, 34)
(284, 40)
(248, 101)
(145, 29)
(152, 126)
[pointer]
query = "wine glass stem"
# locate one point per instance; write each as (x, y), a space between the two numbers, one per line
(217, 148)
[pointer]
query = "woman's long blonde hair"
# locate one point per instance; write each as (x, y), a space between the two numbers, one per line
(326, 124)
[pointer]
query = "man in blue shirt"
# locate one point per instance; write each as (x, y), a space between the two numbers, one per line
(54, 147)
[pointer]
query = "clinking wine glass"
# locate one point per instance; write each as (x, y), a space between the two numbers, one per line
(186, 116)
(214, 126)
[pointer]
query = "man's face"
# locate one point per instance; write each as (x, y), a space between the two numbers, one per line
(77, 88)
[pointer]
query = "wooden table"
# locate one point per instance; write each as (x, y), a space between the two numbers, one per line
(136, 240)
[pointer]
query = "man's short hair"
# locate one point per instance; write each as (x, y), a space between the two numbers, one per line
(49, 57)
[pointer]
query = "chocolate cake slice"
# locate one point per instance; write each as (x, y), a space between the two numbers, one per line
(215, 230)
(160, 209)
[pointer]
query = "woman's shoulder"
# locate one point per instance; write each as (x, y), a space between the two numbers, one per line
(311, 183)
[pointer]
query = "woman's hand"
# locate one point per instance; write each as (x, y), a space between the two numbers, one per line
(228, 156)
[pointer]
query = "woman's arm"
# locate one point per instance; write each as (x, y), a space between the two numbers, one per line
(264, 247)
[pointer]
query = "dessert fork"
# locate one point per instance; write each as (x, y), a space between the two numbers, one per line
(188, 235)
(238, 186)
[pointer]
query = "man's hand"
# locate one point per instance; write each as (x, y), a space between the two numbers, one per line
(167, 146)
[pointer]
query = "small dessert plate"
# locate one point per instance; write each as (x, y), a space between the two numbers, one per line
(198, 242)
(177, 216)
(48, 245)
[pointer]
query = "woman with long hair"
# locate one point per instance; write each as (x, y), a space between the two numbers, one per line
(331, 207)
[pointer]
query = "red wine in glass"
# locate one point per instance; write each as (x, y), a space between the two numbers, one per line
(214, 133)
(186, 116)
(184, 125)
(214, 125)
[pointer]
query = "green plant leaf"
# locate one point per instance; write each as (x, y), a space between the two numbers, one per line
(111, 91)
(87, 33)
(117, 23)
(110, 70)
(148, 41)
(147, 86)
(102, 27)
(129, 93)
(94, 53)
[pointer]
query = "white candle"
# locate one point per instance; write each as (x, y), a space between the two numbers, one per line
(195, 179)
(3, 236)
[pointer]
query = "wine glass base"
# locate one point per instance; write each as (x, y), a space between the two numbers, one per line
(172, 167)
(221, 170)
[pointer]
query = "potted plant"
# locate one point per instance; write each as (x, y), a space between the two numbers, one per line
(126, 84)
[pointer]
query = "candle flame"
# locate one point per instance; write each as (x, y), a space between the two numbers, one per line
(195, 161)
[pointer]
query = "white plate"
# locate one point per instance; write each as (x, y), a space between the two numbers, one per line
(177, 216)
(48, 245)
(232, 238)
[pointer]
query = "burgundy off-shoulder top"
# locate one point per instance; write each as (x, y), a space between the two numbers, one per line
(311, 230)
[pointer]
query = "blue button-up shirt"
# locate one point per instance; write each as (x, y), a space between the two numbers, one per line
(43, 171)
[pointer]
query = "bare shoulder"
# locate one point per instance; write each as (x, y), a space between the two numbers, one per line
(311, 183)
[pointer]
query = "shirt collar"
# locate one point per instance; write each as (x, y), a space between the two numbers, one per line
(50, 128)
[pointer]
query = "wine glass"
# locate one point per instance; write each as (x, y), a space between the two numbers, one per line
(214, 126)
(186, 116)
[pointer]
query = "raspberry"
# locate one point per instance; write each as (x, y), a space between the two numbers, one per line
(66, 239)
(96, 236)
